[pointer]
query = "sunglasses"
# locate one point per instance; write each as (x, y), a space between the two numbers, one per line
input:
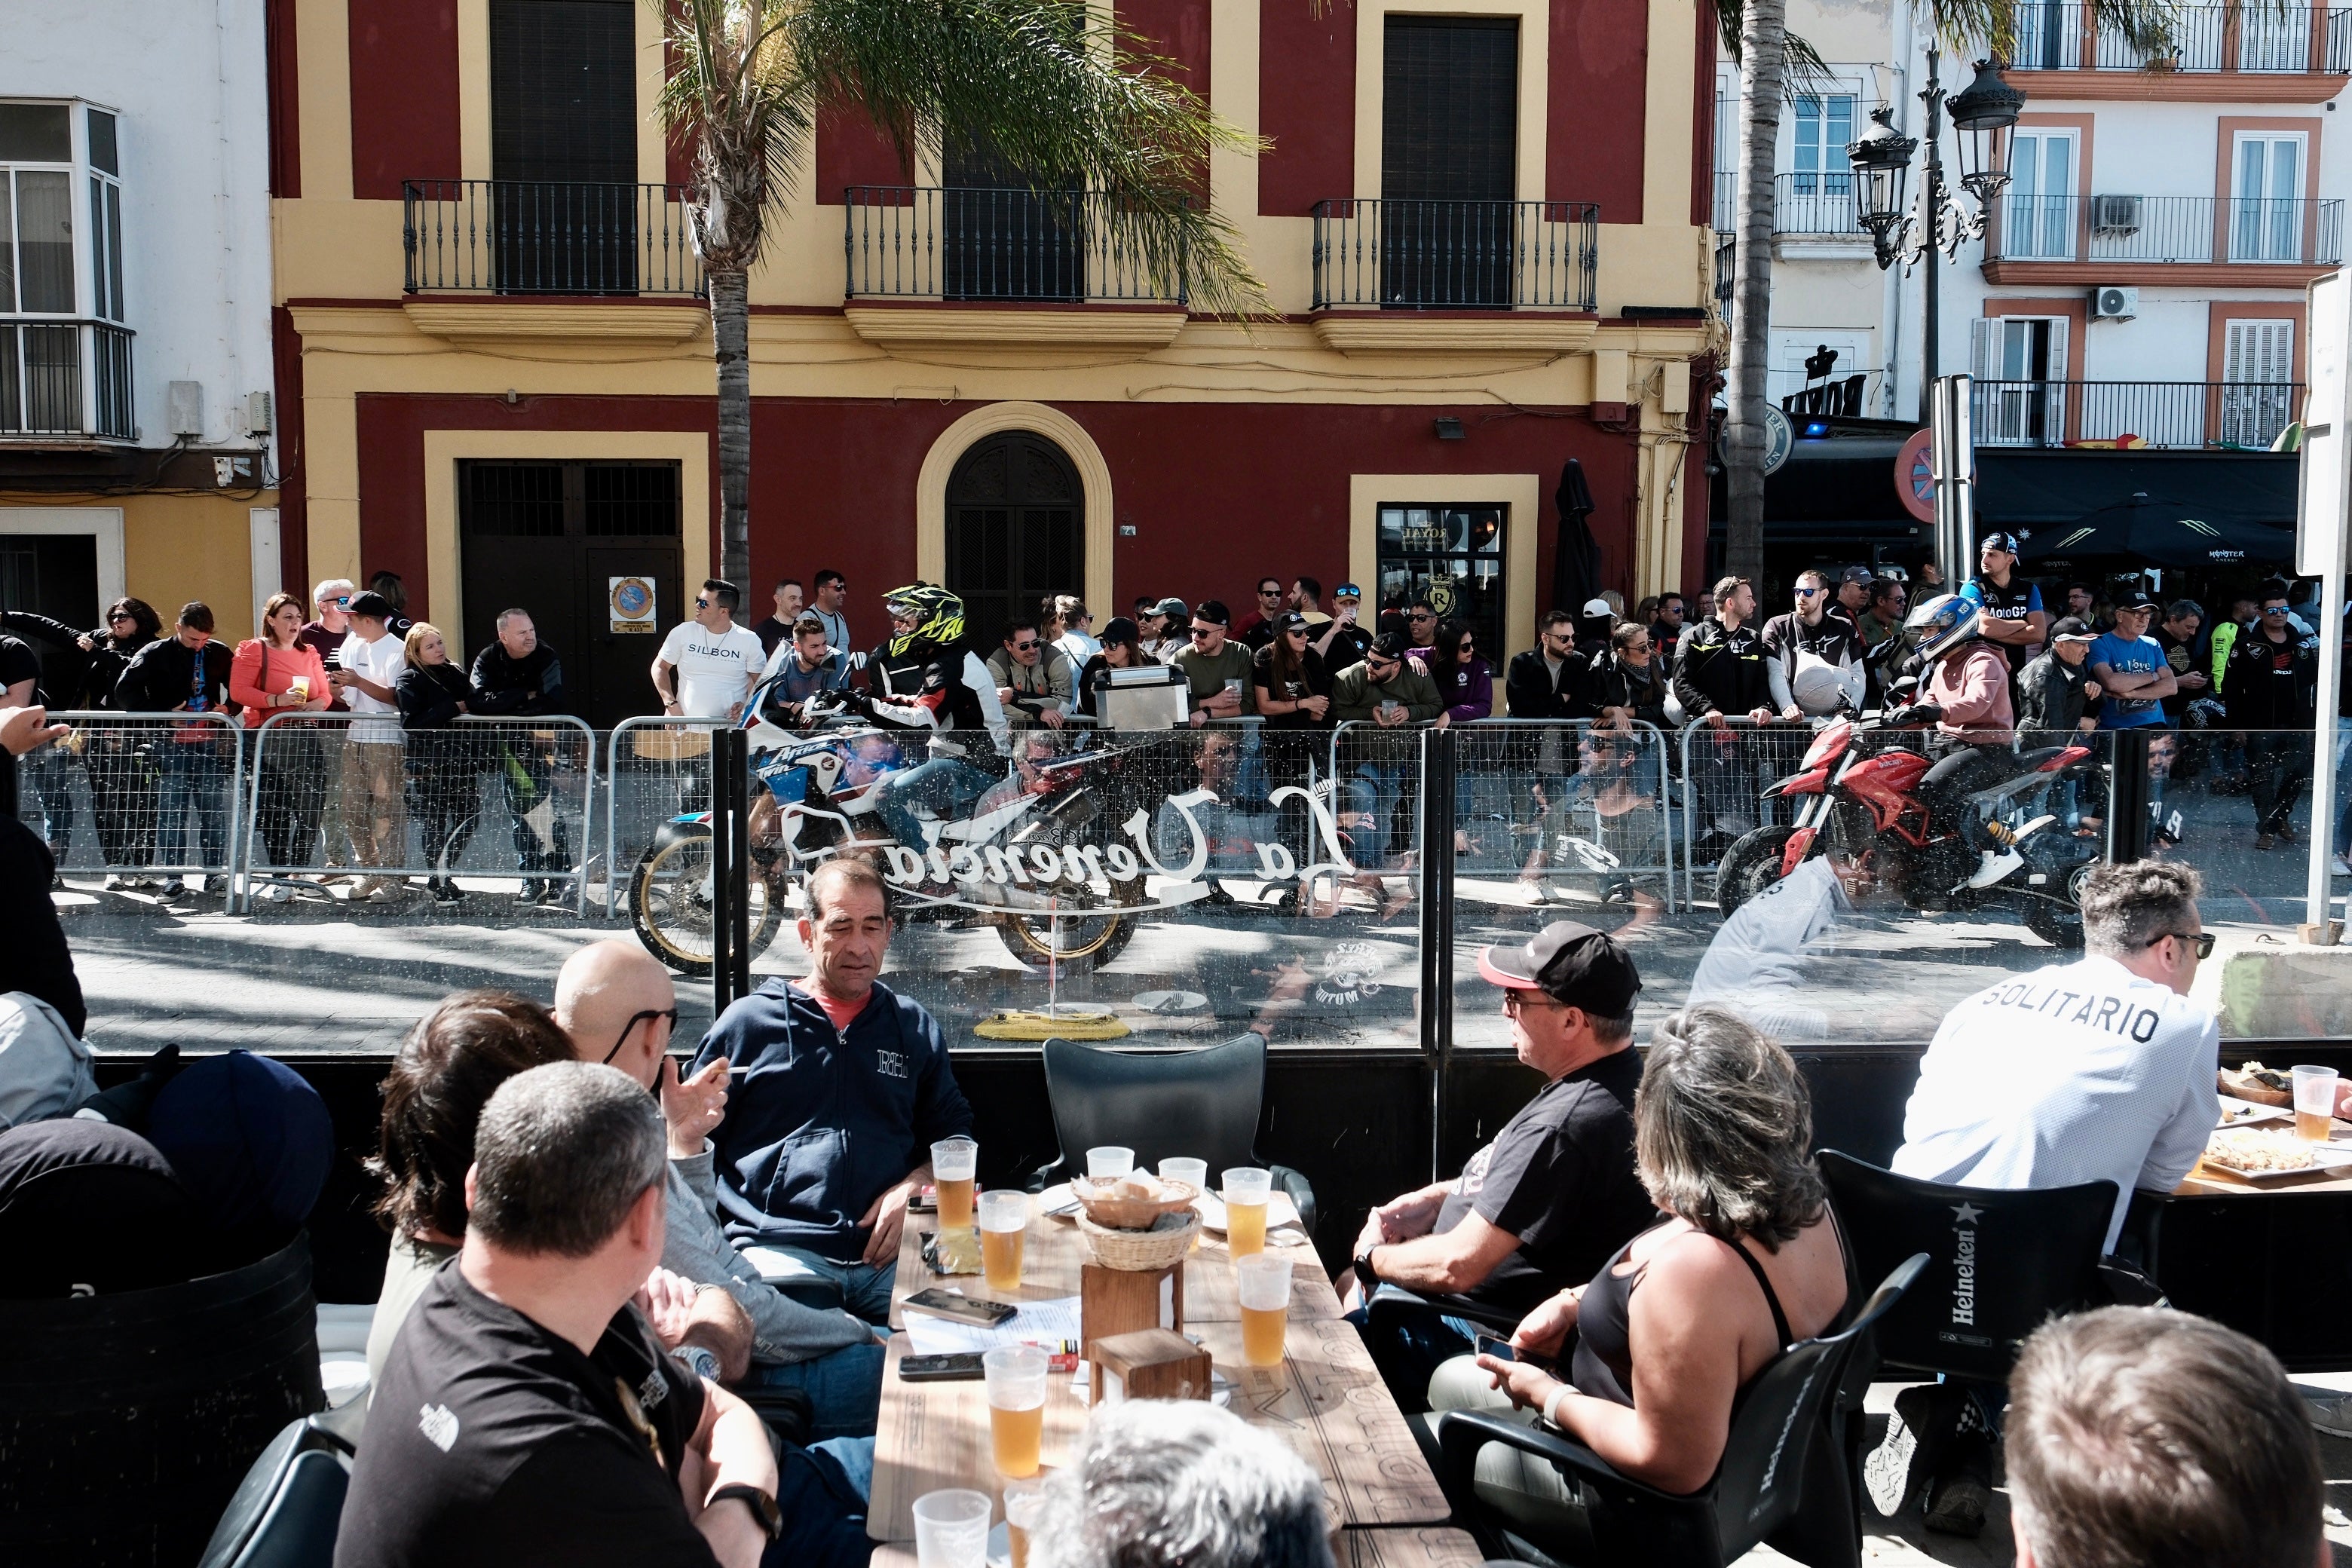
(118, 619)
(631, 1027)
(1200, 632)
(1024, 646)
(2202, 940)
(2275, 609)
(1422, 615)
(1299, 632)
(702, 604)
(1516, 1002)
(1809, 592)
(1270, 593)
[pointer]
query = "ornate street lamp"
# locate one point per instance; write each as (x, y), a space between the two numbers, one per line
(1882, 167)
(1989, 107)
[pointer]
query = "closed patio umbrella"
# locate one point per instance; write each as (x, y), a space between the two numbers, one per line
(1576, 562)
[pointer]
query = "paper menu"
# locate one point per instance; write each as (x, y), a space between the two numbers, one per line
(1043, 1322)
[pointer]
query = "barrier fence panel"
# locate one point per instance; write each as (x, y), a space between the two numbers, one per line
(137, 794)
(1376, 802)
(656, 769)
(1559, 812)
(339, 794)
(1724, 773)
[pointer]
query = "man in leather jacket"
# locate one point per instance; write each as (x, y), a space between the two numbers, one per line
(925, 678)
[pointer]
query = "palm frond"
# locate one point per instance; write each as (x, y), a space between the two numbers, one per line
(1807, 75)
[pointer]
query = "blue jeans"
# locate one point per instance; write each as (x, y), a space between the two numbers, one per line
(46, 776)
(864, 1289)
(1409, 1357)
(821, 1491)
(945, 784)
(200, 773)
(844, 1387)
(1372, 788)
(2343, 785)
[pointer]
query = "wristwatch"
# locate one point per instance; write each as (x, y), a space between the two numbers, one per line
(1366, 1275)
(702, 1359)
(764, 1507)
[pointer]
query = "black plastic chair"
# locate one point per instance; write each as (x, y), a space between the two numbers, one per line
(2001, 1261)
(1394, 1312)
(1778, 1482)
(1200, 1104)
(287, 1508)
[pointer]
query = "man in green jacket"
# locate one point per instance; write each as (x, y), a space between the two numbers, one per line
(1386, 690)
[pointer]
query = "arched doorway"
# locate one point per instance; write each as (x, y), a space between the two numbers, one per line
(1016, 530)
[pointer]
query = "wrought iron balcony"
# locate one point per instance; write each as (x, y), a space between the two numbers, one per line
(1456, 255)
(545, 236)
(2167, 229)
(66, 378)
(1803, 202)
(2199, 38)
(2196, 413)
(910, 242)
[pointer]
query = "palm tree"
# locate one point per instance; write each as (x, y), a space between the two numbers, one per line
(1756, 35)
(1072, 103)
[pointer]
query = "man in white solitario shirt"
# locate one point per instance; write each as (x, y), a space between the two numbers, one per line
(707, 664)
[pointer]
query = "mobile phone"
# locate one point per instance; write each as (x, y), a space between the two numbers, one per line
(924, 1199)
(963, 1368)
(961, 1309)
(1504, 1350)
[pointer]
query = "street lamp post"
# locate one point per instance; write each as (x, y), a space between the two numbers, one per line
(1882, 162)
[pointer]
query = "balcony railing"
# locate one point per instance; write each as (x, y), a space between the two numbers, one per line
(545, 236)
(2199, 38)
(1803, 202)
(957, 243)
(66, 378)
(2140, 230)
(1456, 255)
(2196, 413)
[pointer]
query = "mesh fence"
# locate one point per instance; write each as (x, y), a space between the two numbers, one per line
(335, 793)
(1568, 812)
(657, 768)
(137, 794)
(1722, 778)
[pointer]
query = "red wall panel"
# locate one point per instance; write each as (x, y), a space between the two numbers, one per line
(851, 150)
(1708, 39)
(1306, 106)
(293, 485)
(1600, 65)
(404, 95)
(1176, 31)
(285, 99)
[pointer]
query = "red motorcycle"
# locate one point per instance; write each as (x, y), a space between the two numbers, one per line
(1866, 805)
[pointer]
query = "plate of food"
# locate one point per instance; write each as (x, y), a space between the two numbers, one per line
(2258, 1085)
(2236, 1113)
(2264, 1155)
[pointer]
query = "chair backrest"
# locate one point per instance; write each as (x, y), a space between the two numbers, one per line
(2001, 1261)
(286, 1512)
(1761, 1482)
(1202, 1103)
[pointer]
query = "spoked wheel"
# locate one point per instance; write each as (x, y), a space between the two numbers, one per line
(1750, 866)
(670, 903)
(1073, 939)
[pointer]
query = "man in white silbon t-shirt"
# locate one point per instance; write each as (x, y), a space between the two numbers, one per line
(2098, 1069)
(706, 666)
(375, 813)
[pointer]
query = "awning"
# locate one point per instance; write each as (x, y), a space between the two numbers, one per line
(1839, 490)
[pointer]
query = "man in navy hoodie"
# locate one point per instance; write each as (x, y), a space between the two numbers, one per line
(841, 1087)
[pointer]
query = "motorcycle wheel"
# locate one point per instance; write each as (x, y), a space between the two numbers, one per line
(1750, 866)
(1074, 943)
(2059, 922)
(671, 911)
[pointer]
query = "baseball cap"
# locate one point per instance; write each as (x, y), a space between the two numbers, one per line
(1996, 541)
(1391, 644)
(1347, 591)
(1172, 606)
(1855, 574)
(2136, 598)
(1120, 630)
(1290, 622)
(1596, 607)
(1571, 963)
(1213, 611)
(369, 603)
(2072, 629)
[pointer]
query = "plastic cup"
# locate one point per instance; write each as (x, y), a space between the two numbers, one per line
(1264, 1283)
(1024, 1505)
(2314, 1103)
(1109, 1162)
(951, 1530)
(1195, 1173)
(1003, 1231)
(1246, 1190)
(954, 1161)
(1015, 1375)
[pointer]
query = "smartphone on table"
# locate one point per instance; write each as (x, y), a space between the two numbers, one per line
(961, 1308)
(962, 1368)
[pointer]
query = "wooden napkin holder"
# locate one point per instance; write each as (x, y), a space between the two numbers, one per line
(1151, 1363)
(1125, 1300)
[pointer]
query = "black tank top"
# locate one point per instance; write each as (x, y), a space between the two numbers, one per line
(1603, 1363)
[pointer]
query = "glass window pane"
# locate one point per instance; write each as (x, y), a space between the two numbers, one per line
(8, 244)
(35, 133)
(102, 142)
(2286, 178)
(114, 251)
(44, 240)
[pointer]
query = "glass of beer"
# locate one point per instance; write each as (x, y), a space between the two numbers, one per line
(1194, 1174)
(953, 1162)
(1024, 1503)
(1246, 1190)
(1110, 1164)
(1264, 1281)
(1003, 1227)
(2314, 1103)
(1016, 1406)
(951, 1530)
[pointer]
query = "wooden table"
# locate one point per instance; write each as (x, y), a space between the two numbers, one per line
(1326, 1400)
(1425, 1546)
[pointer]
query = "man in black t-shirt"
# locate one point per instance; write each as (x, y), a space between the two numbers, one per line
(527, 1413)
(1544, 1205)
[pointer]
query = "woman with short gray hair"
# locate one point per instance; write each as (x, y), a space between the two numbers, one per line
(1661, 1345)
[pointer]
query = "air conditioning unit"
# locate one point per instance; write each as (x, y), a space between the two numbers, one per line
(2113, 302)
(2114, 214)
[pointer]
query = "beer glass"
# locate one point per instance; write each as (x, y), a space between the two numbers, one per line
(1024, 1503)
(1016, 1406)
(1194, 1174)
(953, 1162)
(951, 1530)
(1264, 1281)
(1246, 1190)
(1110, 1164)
(1004, 1230)
(2314, 1103)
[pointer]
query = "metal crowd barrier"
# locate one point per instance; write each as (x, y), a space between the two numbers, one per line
(113, 794)
(432, 805)
(1376, 776)
(1724, 773)
(656, 767)
(1559, 801)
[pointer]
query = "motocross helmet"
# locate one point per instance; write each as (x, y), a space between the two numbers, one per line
(1936, 626)
(938, 615)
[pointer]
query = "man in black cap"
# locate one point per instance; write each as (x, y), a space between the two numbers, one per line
(1854, 586)
(1547, 1202)
(2011, 614)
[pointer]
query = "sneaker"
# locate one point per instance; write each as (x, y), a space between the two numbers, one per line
(531, 892)
(364, 889)
(1958, 1507)
(174, 888)
(445, 892)
(2264, 841)
(1995, 866)
(277, 893)
(2330, 1413)
(332, 879)
(122, 884)
(2343, 866)
(554, 897)
(1906, 1456)
(2286, 832)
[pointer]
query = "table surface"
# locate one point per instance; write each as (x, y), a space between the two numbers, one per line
(2209, 1180)
(1409, 1546)
(1326, 1400)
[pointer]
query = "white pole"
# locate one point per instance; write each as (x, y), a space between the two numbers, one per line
(2325, 502)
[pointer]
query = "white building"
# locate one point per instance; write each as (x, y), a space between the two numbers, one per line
(135, 336)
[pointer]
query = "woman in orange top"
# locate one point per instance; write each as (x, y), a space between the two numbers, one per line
(271, 674)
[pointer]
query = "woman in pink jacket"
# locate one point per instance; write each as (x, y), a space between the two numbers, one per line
(1964, 687)
(273, 673)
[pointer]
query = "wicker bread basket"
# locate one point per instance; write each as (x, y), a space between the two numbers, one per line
(1105, 1207)
(1141, 1251)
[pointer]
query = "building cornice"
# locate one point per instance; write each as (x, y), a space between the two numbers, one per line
(2046, 88)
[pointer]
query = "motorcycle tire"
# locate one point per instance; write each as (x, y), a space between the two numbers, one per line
(671, 912)
(1749, 866)
(2059, 922)
(1077, 942)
